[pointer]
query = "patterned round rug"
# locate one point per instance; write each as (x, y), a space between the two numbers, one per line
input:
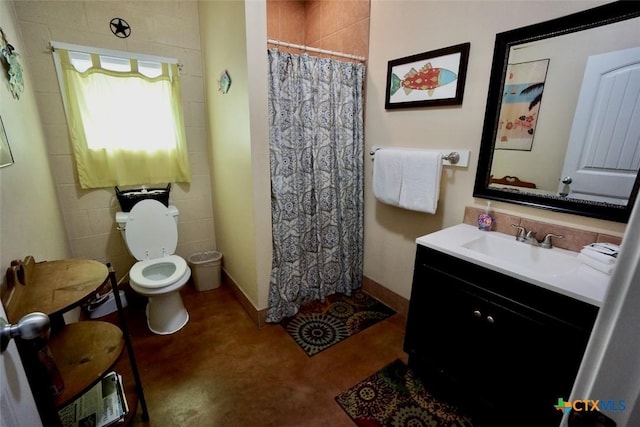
(317, 331)
(321, 324)
(394, 396)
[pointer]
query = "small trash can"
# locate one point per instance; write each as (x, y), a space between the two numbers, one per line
(205, 269)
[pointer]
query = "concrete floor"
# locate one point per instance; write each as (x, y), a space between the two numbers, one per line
(222, 370)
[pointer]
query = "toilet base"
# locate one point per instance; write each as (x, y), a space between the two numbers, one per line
(166, 314)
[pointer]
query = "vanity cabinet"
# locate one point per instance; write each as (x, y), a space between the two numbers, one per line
(508, 348)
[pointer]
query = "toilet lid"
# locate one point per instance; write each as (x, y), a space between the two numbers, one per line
(151, 230)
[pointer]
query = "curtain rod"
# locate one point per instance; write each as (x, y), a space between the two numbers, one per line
(110, 52)
(316, 50)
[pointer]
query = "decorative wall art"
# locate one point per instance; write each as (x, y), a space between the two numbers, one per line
(521, 99)
(428, 79)
(224, 83)
(12, 66)
(120, 28)
(6, 158)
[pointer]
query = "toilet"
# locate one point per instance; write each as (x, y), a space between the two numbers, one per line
(150, 231)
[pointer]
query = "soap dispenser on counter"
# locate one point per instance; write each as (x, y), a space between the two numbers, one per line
(485, 220)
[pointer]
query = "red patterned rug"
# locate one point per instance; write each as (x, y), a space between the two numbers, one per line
(394, 396)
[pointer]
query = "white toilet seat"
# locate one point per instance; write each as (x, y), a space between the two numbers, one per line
(158, 272)
(151, 231)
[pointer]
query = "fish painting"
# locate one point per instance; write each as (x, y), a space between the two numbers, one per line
(426, 78)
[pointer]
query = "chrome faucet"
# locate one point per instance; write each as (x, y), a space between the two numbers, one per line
(529, 237)
(546, 242)
(526, 236)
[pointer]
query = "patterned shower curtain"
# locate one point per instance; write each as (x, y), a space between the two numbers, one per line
(316, 147)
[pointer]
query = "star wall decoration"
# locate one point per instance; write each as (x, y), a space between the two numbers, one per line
(120, 28)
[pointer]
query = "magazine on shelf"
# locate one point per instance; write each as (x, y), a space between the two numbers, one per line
(102, 405)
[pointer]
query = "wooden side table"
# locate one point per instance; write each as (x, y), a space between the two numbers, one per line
(83, 351)
(51, 287)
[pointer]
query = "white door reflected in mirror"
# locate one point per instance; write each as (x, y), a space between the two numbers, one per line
(603, 155)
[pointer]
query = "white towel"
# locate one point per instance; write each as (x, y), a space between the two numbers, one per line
(603, 251)
(408, 178)
(593, 263)
(387, 175)
(420, 187)
(598, 256)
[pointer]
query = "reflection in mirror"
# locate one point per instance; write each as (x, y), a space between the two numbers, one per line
(563, 114)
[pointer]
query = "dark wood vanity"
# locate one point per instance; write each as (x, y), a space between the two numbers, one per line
(508, 349)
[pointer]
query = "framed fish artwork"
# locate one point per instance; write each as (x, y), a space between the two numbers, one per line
(428, 79)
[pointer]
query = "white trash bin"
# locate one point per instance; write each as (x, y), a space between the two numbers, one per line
(205, 269)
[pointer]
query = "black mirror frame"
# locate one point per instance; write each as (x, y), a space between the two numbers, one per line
(601, 15)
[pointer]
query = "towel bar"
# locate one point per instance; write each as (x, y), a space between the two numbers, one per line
(453, 157)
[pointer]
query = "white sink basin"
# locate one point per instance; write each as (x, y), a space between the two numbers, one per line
(548, 261)
(555, 269)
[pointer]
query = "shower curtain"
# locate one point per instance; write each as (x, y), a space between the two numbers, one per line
(316, 148)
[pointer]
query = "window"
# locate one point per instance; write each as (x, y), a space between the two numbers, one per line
(124, 114)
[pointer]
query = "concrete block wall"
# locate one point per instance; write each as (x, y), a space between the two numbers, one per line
(163, 28)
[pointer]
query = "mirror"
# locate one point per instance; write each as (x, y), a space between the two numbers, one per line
(562, 130)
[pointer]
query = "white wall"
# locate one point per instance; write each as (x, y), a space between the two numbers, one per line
(403, 28)
(30, 219)
(256, 24)
(234, 39)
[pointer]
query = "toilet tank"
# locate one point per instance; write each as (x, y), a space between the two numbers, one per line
(121, 218)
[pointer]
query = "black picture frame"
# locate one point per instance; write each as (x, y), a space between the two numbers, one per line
(591, 18)
(6, 156)
(448, 90)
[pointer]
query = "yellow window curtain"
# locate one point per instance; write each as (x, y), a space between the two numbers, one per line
(126, 128)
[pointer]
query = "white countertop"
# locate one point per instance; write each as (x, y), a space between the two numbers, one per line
(581, 282)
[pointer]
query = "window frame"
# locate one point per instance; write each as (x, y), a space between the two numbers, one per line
(89, 180)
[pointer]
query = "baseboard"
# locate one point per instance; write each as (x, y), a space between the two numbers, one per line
(390, 298)
(259, 317)
(373, 288)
